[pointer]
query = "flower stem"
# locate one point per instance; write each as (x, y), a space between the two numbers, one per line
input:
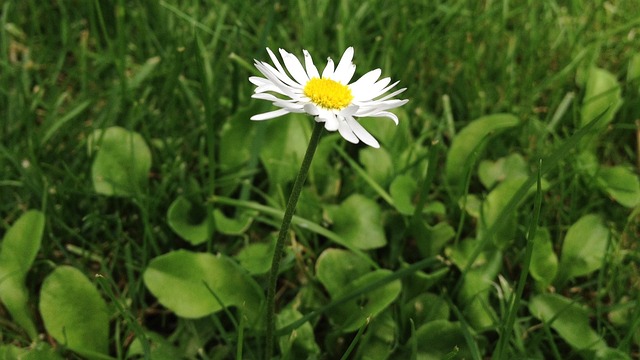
(284, 229)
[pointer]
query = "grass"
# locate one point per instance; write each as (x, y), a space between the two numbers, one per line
(176, 73)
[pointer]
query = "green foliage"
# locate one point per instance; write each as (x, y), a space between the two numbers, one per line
(198, 284)
(122, 162)
(74, 313)
(176, 202)
(18, 250)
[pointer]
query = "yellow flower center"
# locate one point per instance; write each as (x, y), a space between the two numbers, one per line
(328, 93)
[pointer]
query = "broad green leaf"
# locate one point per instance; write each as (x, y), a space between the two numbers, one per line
(18, 250)
(37, 351)
(378, 164)
(323, 174)
(492, 172)
(621, 183)
(232, 226)
(352, 315)
(342, 272)
(477, 282)
(633, 71)
(431, 239)
(194, 285)
(439, 338)
(337, 268)
(256, 257)
(122, 164)
(468, 140)
(584, 247)
(425, 308)
(544, 262)
(494, 204)
(189, 221)
(300, 343)
(358, 220)
(602, 93)
(569, 319)
(402, 191)
(74, 313)
(236, 139)
(380, 338)
(160, 348)
(285, 143)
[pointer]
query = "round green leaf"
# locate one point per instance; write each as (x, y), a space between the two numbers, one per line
(19, 248)
(544, 262)
(602, 93)
(584, 247)
(256, 258)
(194, 285)
(467, 141)
(300, 343)
(122, 164)
(439, 338)
(184, 219)
(358, 220)
(284, 147)
(620, 183)
(232, 226)
(425, 308)
(353, 314)
(402, 191)
(492, 172)
(569, 319)
(337, 268)
(73, 311)
(377, 163)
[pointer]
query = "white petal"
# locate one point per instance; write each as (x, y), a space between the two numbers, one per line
(269, 115)
(349, 110)
(295, 67)
(361, 133)
(346, 68)
(311, 109)
(327, 73)
(372, 91)
(329, 119)
(365, 81)
(312, 71)
(280, 72)
(346, 131)
(392, 94)
(284, 88)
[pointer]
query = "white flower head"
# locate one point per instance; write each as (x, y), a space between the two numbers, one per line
(329, 97)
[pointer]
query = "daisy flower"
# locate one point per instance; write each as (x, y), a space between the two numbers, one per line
(329, 97)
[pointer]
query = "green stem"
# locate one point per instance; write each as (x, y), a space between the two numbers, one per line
(284, 229)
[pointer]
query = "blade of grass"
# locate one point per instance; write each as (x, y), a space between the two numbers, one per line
(506, 327)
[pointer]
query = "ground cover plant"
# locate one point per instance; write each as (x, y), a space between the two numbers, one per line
(140, 205)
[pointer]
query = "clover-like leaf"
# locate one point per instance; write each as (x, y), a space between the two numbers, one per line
(256, 257)
(544, 262)
(402, 191)
(232, 226)
(468, 140)
(568, 318)
(602, 93)
(301, 343)
(122, 163)
(188, 220)
(492, 172)
(18, 250)
(74, 313)
(584, 247)
(621, 183)
(358, 220)
(440, 338)
(285, 145)
(353, 314)
(194, 285)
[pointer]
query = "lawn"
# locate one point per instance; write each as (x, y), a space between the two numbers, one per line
(141, 207)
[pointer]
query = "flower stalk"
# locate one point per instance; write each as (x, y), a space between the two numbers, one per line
(284, 230)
